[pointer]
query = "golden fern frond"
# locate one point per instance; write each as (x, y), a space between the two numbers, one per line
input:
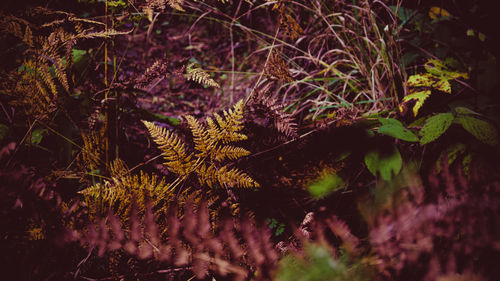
(100, 195)
(234, 177)
(224, 176)
(142, 188)
(43, 70)
(201, 77)
(201, 138)
(211, 149)
(60, 71)
(229, 126)
(229, 152)
(44, 97)
(207, 174)
(93, 149)
(119, 193)
(118, 168)
(30, 89)
(173, 149)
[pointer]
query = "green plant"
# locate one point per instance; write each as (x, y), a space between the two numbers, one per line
(437, 78)
(318, 264)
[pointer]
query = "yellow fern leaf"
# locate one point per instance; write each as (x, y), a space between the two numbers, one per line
(119, 193)
(235, 178)
(211, 146)
(229, 152)
(59, 70)
(229, 126)
(93, 149)
(207, 175)
(118, 168)
(173, 149)
(202, 141)
(201, 77)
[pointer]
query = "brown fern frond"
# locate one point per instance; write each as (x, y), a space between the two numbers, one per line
(189, 243)
(290, 26)
(158, 69)
(28, 36)
(44, 72)
(13, 25)
(100, 34)
(201, 77)
(264, 104)
(173, 149)
(60, 72)
(276, 68)
(161, 4)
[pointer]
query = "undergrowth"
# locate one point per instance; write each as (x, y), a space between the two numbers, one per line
(248, 140)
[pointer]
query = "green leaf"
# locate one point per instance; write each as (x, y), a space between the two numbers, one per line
(443, 85)
(435, 126)
(421, 80)
(78, 55)
(439, 68)
(385, 164)
(390, 121)
(325, 185)
(482, 130)
(37, 135)
(420, 97)
(417, 123)
(465, 111)
(272, 222)
(393, 128)
(280, 229)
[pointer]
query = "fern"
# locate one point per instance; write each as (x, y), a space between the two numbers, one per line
(201, 77)
(188, 243)
(93, 149)
(276, 68)
(178, 161)
(161, 5)
(211, 149)
(125, 188)
(48, 58)
(264, 104)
